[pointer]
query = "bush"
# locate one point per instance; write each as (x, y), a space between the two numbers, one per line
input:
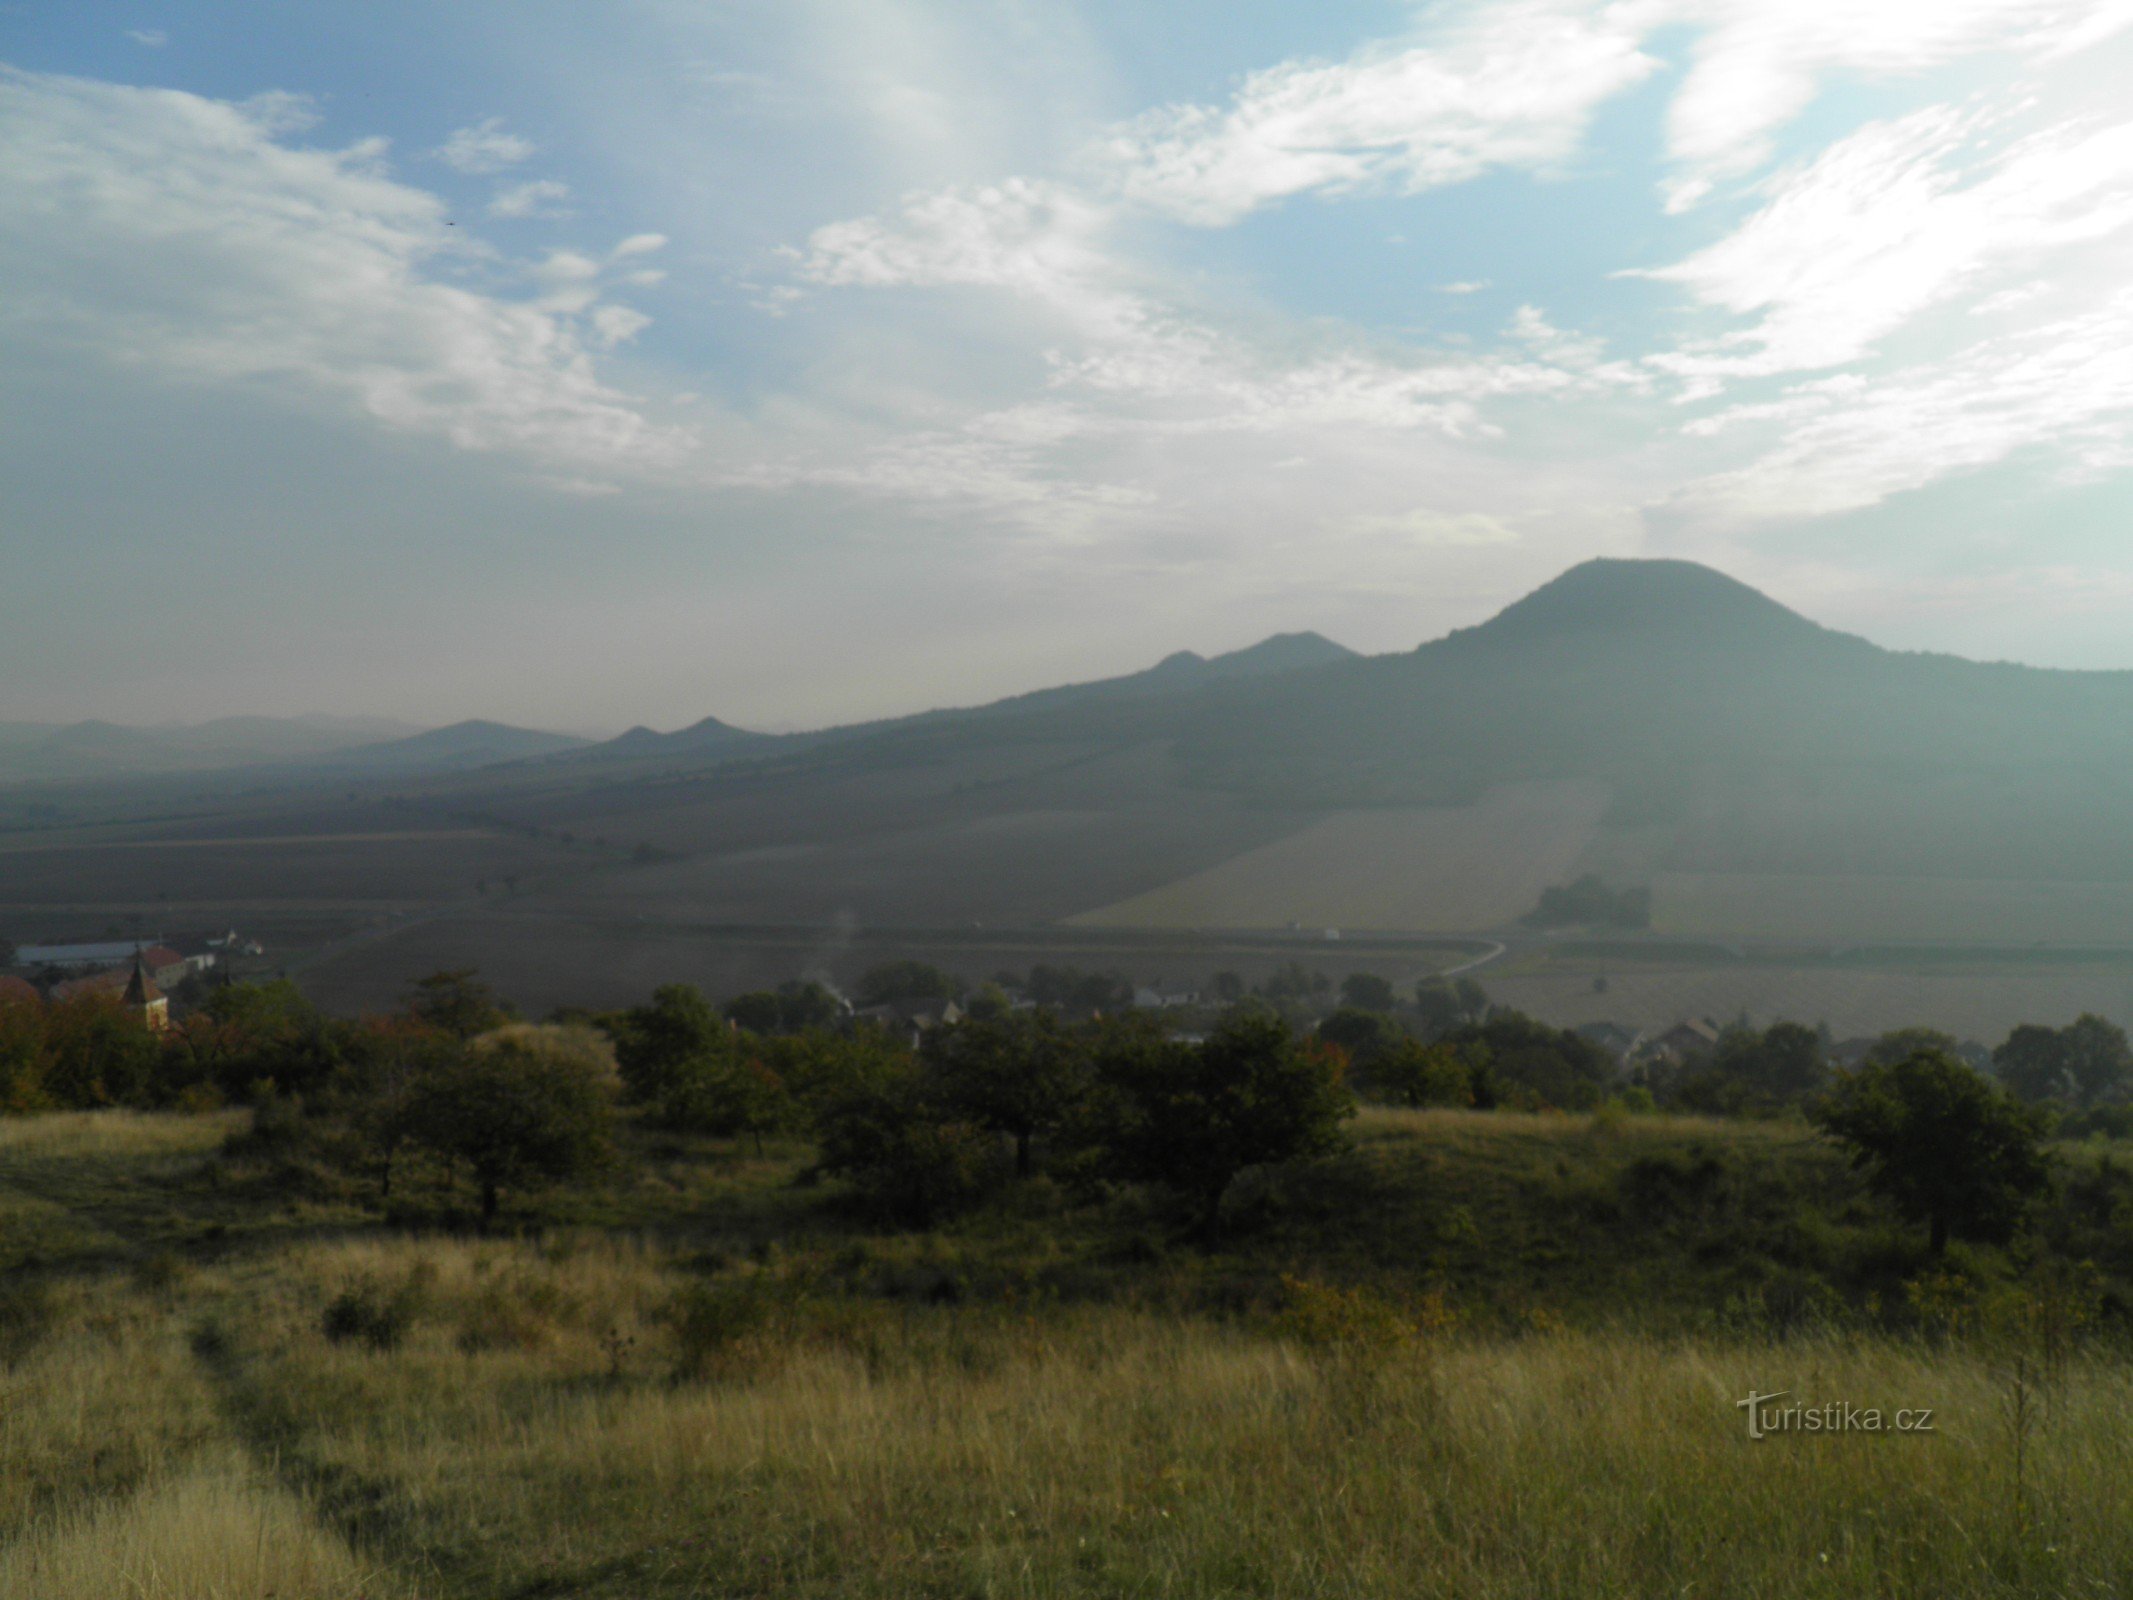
(366, 1313)
(904, 1160)
(715, 1324)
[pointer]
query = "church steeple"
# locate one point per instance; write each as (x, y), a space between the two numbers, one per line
(144, 997)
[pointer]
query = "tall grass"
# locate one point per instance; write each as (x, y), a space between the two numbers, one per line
(209, 1532)
(1098, 1452)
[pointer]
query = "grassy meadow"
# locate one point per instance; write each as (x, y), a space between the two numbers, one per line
(1478, 1354)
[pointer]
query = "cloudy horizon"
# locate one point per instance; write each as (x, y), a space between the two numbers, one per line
(803, 363)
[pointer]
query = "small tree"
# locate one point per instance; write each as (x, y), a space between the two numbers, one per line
(1783, 1063)
(659, 1046)
(1366, 991)
(1446, 1004)
(1948, 1147)
(2087, 1061)
(1019, 1074)
(1193, 1117)
(902, 1154)
(457, 1002)
(1418, 1074)
(524, 1107)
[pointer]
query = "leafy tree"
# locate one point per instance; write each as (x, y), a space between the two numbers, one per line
(904, 1158)
(1446, 1004)
(1589, 902)
(893, 981)
(1192, 1117)
(659, 1045)
(806, 1004)
(1366, 991)
(457, 1002)
(1019, 1074)
(1292, 980)
(524, 1107)
(730, 1093)
(2087, 1062)
(988, 1003)
(1903, 1043)
(759, 1011)
(1783, 1063)
(1419, 1074)
(1524, 1061)
(1947, 1146)
(1228, 987)
(820, 1069)
(1364, 1035)
(98, 1053)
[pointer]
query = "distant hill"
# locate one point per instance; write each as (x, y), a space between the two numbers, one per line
(707, 738)
(85, 751)
(456, 748)
(283, 748)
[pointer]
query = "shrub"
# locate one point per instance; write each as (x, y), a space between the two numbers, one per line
(716, 1323)
(367, 1313)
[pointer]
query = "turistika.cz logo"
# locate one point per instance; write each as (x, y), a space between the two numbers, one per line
(1766, 1417)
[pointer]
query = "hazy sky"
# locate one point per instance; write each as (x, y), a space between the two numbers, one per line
(794, 361)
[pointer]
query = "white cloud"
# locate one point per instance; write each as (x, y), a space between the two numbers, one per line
(1758, 65)
(1852, 441)
(1890, 221)
(483, 148)
(1425, 525)
(148, 38)
(542, 197)
(1509, 85)
(177, 235)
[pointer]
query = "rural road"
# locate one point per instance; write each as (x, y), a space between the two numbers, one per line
(1496, 948)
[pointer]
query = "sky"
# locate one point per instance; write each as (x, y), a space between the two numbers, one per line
(798, 361)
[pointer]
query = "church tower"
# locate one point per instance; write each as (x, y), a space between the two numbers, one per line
(144, 999)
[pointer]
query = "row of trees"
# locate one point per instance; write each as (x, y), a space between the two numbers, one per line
(921, 1132)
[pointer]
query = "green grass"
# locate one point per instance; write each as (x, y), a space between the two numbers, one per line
(1482, 1355)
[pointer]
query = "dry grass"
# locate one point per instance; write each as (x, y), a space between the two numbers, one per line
(857, 1451)
(527, 1430)
(209, 1532)
(114, 1135)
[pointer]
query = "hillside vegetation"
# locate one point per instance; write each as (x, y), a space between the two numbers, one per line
(1441, 1359)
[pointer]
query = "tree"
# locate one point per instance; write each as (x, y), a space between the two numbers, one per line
(1292, 980)
(1192, 1117)
(1228, 987)
(457, 1002)
(1446, 1004)
(1419, 1074)
(2087, 1061)
(759, 1011)
(1018, 1074)
(1589, 901)
(891, 981)
(1948, 1147)
(1519, 1059)
(1364, 1035)
(903, 1157)
(658, 1045)
(1783, 1063)
(1366, 991)
(523, 1107)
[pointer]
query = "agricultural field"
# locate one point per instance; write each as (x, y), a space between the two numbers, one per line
(1445, 869)
(1436, 1364)
(1864, 909)
(362, 870)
